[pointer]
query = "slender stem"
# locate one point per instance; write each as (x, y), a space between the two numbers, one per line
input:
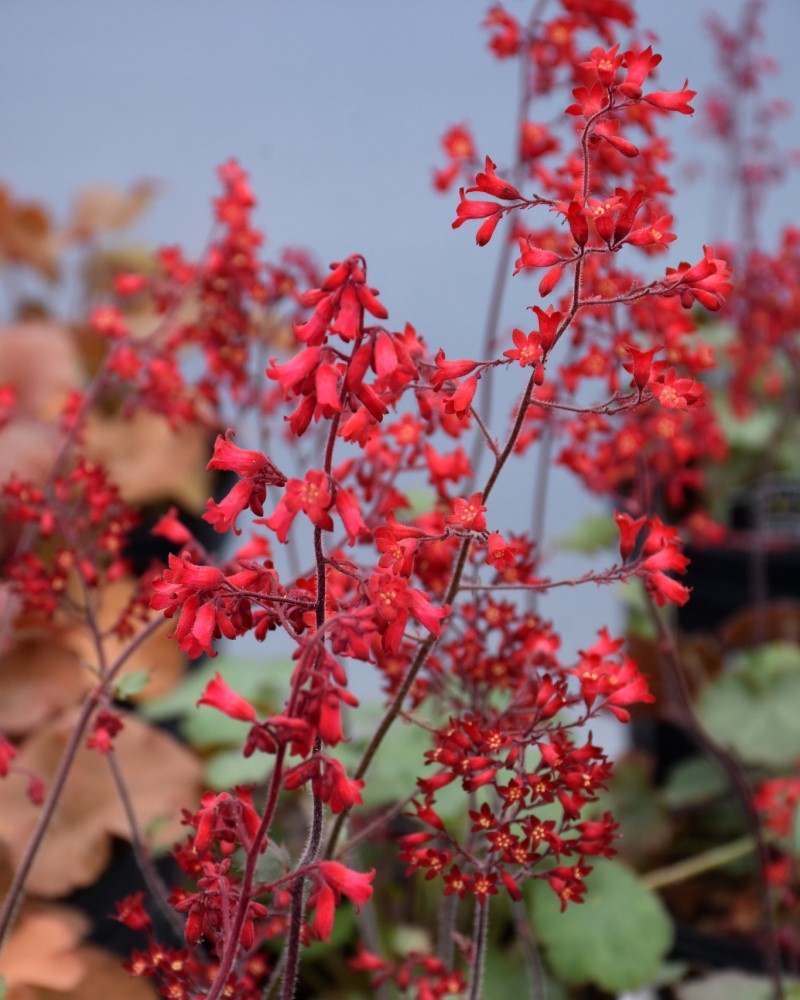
(479, 938)
(275, 977)
(448, 912)
(540, 495)
(292, 947)
(530, 953)
(490, 346)
(612, 575)
(372, 828)
(155, 885)
(706, 861)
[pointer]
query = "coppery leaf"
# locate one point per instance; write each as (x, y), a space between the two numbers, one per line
(161, 775)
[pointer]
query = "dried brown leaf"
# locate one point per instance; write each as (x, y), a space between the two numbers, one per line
(27, 236)
(41, 951)
(161, 776)
(150, 461)
(40, 360)
(39, 677)
(161, 658)
(102, 208)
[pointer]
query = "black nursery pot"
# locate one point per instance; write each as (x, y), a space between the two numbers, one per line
(744, 592)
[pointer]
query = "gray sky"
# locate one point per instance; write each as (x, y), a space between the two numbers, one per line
(335, 109)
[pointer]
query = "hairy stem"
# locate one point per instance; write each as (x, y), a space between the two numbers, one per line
(479, 937)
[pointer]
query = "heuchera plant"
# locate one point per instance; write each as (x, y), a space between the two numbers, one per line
(606, 373)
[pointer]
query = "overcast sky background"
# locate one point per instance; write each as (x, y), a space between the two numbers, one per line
(336, 110)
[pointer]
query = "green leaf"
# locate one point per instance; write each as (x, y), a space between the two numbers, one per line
(274, 863)
(207, 727)
(229, 768)
(751, 707)
(262, 682)
(616, 939)
(131, 684)
(421, 501)
(592, 533)
(693, 782)
(3, 988)
(403, 939)
(749, 433)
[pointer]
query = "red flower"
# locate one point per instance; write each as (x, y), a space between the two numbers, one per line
(448, 370)
(311, 495)
(193, 589)
(499, 554)
(105, 727)
(605, 64)
(489, 183)
(337, 880)
(641, 364)
(131, 913)
(639, 65)
(669, 100)
(256, 472)
(676, 393)
(218, 695)
(506, 32)
(468, 514)
(527, 349)
(394, 600)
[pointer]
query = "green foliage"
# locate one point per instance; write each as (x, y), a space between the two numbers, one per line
(616, 939)
(228, 768)
(131, 684)
(636, 603)
(751, 707)
(693, 782)
(259, 681)
(590, 534)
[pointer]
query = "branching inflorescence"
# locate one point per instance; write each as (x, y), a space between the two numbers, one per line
(422, 599)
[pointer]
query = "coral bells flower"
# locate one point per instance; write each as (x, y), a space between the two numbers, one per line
(256, 472)
(638, 65)
(705, 282)
(468, 514)
(676, 393)
(311, 495)
(498, 552)
(660, 554)
(218, 695)
(191, 589)
(336, 880)
(527, 349)
(105, 727)
(394, 600)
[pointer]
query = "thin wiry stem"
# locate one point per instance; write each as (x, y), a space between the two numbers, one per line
(155, 885)
(479, 938)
